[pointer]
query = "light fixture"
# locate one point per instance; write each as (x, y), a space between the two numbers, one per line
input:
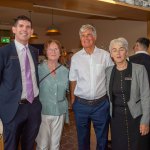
(34, 35)
(52, 28)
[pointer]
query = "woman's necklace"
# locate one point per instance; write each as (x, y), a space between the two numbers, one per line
(51, 68)
(122, 67)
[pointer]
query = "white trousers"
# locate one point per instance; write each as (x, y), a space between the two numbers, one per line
(50, 132)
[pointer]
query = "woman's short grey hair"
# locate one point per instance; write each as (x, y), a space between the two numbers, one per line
(121, 41)
(86, 27)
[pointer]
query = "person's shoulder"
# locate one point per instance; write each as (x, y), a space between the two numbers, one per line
(131, 57)
(137, 66)
(42, 64)
(64, 68)
(109, 68)
(7, 46)
(77, 54)
(139, 55)
(32, 47)
(6, 49)
(138, 69)
(102, 51)
(135, 56)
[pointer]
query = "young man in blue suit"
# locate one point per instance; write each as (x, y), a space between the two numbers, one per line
(20, 109)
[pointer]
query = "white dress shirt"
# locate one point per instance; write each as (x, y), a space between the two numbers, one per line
(144, 52)
(20, 48)
(89, 72)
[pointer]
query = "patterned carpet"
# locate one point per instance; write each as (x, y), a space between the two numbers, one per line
(69, 137)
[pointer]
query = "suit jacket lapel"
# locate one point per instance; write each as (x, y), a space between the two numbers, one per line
(111, 82)
(34, 55)
(14, 51)
(111, 87)
(128, 79)
(14, 55)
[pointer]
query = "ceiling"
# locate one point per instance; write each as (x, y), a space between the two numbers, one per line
(68, 10)
(41, 12)
(38, 19)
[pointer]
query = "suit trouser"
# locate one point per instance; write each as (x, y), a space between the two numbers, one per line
(50, 132)
(99, 116)
(24, 127)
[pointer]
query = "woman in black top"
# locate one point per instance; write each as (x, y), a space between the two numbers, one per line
(129, 98)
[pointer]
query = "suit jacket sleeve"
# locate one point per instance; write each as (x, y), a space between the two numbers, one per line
(1, 65)
(145, 95)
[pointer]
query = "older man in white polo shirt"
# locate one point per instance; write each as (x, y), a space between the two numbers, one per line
(88, 91)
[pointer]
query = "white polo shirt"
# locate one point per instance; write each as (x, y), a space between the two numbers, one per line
(89, 72)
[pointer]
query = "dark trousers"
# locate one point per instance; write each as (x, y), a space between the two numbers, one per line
(99, 116)
(24, 127)
(145, 142)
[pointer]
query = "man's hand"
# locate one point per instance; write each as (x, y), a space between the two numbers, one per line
(72, 88)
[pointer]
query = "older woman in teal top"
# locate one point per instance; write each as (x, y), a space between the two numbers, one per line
(53, 86)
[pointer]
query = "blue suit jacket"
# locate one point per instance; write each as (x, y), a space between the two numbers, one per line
(11, 80)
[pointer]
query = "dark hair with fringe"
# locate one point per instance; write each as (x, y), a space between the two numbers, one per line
(144, 41)
(22, 17)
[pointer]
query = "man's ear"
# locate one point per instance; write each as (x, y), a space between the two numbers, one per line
(13, 29)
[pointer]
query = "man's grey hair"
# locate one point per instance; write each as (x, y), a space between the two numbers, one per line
(86, 27)
(121, 41)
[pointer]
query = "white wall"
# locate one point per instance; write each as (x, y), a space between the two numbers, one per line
(106, 31)
(42, 37)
